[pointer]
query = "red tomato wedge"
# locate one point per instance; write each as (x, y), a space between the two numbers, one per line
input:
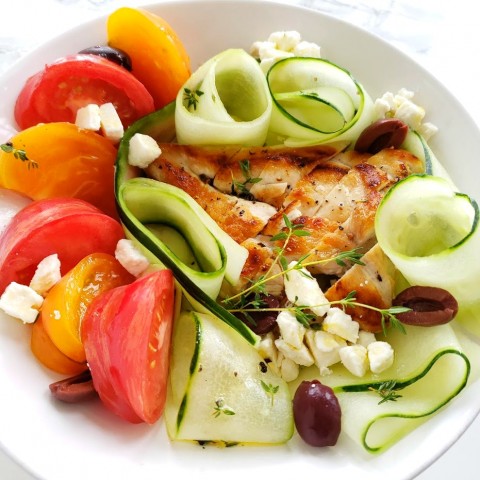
(57, 92)
(69, 227)
(126, 333)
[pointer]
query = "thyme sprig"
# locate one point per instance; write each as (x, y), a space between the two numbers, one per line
(388, 315)
(220, 408)
(303, 315)
(241, 187)
(388, 391)
(257, 287)
(192, 97)
(18, 154)
(270, 390)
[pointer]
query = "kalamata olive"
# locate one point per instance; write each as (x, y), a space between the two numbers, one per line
(429, 306)
(113, 54)
(74, 389)
(263, 322)
(384, 133)
(317, 414)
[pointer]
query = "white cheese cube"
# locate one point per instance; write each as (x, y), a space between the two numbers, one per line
(285, 41)
(302, 289)
(354, 358)
(88, 117)
(380, 356)
(301, 356)
(307, 49)
(365, 338)
(410, 113)
(131, 259)
(289, 370)
(427, 130)
(21, 302)
(110, 123)
(46, 275)
(258, 49)
(340, 323)
(325, 349)
(291, 330)
(266, 348)
(143, 150)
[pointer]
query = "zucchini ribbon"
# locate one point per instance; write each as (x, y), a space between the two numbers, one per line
(200, 255)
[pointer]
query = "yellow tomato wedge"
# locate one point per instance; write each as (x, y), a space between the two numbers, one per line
(49, 355)
(66, 303)
(159, 59)
(62, 160)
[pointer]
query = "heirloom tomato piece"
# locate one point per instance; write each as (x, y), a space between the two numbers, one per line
(66, 303)
(69, 227)
(57, 92)
(49, 355)
(126, 333)
(159, 59)
(62, 161)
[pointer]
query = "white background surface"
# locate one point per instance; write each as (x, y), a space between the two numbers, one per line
(442, 35)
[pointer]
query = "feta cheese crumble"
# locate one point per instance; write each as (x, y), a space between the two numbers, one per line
(88, 117)
(340, 323)
(380, 356)
(110, 123)
(302, 289)
(131, 259)
(282, 44)
(401, 106)
(143, 150)
(102, 118)
(22, 302)
(46, 275)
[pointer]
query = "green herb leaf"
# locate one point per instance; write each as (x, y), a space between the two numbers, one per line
(18, 154)
(192, 97)
(387, 391)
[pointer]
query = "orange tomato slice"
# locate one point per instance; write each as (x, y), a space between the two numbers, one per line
(66, 303)
(63, 161)
(49, 355)
(159, 59)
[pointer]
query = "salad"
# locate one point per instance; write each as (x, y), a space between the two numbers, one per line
(122, 281)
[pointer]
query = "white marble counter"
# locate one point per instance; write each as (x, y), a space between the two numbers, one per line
(442, 35)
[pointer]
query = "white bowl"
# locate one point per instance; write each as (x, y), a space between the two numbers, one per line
(56, 441)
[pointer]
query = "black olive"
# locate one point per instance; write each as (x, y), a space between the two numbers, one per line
(317, 414)
(113, 54)
(384, 133)
(430, 306)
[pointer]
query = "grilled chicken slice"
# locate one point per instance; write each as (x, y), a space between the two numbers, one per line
(374, 285)
(345, 215)
(241, 219)
(228, 169)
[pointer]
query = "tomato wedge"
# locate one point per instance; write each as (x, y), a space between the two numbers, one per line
(71, 162)
(126, 333)
(66, 303)
(68, 227)
(57, 92)
(49, 355)
(159, 59)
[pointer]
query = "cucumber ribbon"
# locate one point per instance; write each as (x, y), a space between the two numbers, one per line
(431, 234)
(225, 102)
(149, 208)
(430, 369)
(316, 101)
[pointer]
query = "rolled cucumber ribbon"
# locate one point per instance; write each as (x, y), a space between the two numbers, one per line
(174, 231)
(225, 102)
(431, 233)
(316, 101)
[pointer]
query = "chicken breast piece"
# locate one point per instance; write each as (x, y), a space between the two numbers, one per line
(374, 285)
(241, 219)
